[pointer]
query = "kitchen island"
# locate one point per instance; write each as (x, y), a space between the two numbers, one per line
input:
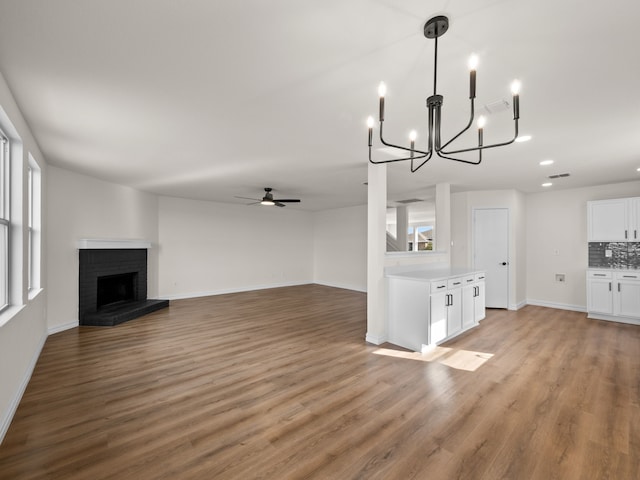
(427, 307)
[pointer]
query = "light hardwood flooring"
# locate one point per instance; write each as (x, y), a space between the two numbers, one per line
(280, 384)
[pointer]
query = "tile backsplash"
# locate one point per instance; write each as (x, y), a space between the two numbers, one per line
(614, 255)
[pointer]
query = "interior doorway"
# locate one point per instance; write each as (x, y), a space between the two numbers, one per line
(491, 253)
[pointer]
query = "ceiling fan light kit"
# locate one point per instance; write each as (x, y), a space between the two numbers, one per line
(433, 29)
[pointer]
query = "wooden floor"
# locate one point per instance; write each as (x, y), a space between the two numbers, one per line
(279, 384)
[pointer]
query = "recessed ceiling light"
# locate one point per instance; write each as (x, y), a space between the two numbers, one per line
(638, 169)
(546, 162)
(523, 138)
(548, 184)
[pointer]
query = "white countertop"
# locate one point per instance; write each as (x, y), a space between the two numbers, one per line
(614, 269)
(435, 274)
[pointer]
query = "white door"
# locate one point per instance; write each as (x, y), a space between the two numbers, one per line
(491, 253)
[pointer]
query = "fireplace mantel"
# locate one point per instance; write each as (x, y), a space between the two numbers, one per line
(102, 243)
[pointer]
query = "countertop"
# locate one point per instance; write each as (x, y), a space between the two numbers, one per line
(614, 269)
(435, 274)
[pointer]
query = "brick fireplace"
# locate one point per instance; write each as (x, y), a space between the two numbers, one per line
(113, 282)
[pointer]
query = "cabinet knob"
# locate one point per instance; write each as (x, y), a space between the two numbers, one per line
(504, 263)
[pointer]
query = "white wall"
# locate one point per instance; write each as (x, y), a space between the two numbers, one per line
(23, 329)
(556, 229)
(522, 246)
(209, 248)
(340, 248)
(84, 207)
(462, 205)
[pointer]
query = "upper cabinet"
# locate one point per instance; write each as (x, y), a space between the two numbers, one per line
(615, 220)
(634, 231)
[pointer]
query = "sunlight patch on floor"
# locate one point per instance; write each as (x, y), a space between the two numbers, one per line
(451, 357)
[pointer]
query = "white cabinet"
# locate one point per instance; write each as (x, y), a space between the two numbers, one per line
(615, 220)
(454, 307)
(408, 313)
(446, 309)
(634, 219)
(479, 303)
(468, 303)
(473, 303)
(626, 295)
(426, 307)
(600, 292)
(614, 295)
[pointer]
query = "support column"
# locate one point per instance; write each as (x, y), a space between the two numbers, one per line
(376, 249)
(402, 225)
(443, 219)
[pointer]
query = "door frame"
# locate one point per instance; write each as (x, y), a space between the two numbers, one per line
(473, 245)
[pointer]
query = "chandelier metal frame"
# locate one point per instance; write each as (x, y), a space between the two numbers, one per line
(433, 29)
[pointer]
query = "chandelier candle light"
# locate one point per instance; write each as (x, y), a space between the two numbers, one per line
(434, 28)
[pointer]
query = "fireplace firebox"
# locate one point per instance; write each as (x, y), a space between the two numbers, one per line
(113, 286)
(116, 288)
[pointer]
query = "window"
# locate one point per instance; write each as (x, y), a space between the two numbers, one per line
(34, 213)
(4, 221)
(417, 220)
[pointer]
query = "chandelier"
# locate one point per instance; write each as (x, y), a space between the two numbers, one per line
(434, 28)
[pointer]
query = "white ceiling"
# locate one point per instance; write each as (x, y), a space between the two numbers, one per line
(215, 99)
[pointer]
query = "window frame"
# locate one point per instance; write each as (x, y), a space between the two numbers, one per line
(34, 208)
(5, 220)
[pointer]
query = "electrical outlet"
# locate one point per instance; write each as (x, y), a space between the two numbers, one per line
(560, 277)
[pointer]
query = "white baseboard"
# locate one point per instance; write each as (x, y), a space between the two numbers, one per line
(343, 286)
(63, 327)
(613, 318)
(375, 339)
(560, 306)
(181, 296)
(13, 406)
(517, 306)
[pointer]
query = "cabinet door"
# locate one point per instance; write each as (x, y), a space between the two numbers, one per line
(599, 296)
(479, 304)
(634, 220)
(607, 220)
(438, 317)
(627, 298)
(468, 305)
(454, 312)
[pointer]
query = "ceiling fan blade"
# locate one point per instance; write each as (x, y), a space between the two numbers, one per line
(247, 198)
(278, 204)
(291, 200)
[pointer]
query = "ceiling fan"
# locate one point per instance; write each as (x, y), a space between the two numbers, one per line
(269, 200)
